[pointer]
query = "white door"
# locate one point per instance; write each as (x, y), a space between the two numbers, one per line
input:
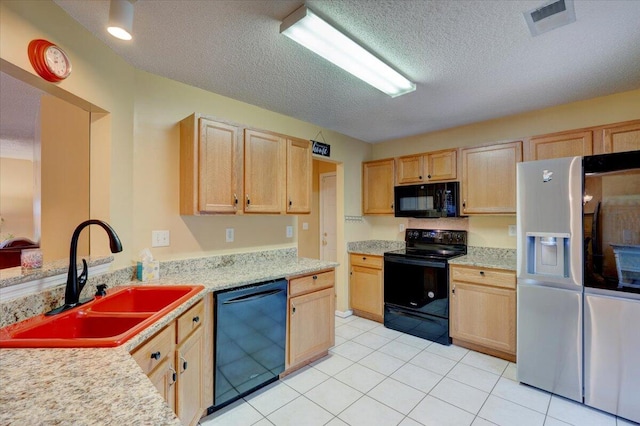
(328, 217)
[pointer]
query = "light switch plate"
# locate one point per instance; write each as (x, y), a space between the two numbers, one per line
(305, 226)
(289, 231)
(229, 235)
(512, 230)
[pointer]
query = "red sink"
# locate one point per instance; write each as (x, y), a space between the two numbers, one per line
(104, 322)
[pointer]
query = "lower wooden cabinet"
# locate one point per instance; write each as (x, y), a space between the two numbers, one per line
(366, 286)
(311, 319)
(175, 361)
(483, 310)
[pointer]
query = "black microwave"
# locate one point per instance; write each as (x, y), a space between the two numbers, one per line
(427, 200)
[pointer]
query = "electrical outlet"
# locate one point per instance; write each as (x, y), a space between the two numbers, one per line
(289, 231)
(512, 230)
(229, 237)
(160, 239)
(305, 226)
(401, 227)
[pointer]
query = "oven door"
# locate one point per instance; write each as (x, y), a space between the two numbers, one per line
(417, 284)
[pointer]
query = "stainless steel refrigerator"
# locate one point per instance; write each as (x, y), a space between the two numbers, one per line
(579, 279)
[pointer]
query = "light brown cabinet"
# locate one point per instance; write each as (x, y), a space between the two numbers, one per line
(621, 137)
(483, 310)
(264, 172)
(311, 319)
(366, 286)
(557, 145)
(489, 178)
(175, 359)
(299, 171)
(427, 167)
(377, 187)
(210, 166)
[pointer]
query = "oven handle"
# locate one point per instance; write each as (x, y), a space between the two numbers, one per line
(405, 261)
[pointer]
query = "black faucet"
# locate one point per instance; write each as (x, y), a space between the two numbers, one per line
(75, 282)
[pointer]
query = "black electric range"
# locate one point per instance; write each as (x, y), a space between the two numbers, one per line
(416, 283)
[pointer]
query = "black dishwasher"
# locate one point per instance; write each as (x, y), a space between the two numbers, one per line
(250, 338)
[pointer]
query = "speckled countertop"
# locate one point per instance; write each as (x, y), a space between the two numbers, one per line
(488, 257)
(374, 247)
(106, 386)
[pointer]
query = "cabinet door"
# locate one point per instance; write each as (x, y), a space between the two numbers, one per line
(484, 315)
(489, 178)
(189, 403)
(366, 290)
(218, 166)
(299, 171)
(164, 379)
(621, 138)
(441, 165)
(377, 187)
(264, 172)
(560, 145)
(410, 169)
(311, 325)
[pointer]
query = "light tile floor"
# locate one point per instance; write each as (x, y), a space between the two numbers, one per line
(377, 376)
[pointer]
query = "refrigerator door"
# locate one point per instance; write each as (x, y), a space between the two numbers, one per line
(550, 339)
(612, 355)
(549, 222)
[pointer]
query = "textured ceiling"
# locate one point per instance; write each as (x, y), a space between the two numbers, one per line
(471, 60)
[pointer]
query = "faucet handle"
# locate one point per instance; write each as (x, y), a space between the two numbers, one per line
(82, 278)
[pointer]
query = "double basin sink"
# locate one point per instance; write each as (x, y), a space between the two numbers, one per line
(106, 321)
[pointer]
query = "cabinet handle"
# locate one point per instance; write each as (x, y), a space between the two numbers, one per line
(248, 200)
(453, 290)
(174, 376)
(184, 365)
(156, 355)
(196, 319)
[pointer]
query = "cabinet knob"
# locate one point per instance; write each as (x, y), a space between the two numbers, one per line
(464, 203)
(248, 200)
(364, 258)
(235, 199)
(293, 309)
(184, 365)
(156, 355)
(290, 202)
(315, 277)
(196, 319)
(420, 177)
(481, 272)
(453, 290)
(429, 176)
(174, 376)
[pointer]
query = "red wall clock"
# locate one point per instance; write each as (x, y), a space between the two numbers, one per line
(48, 60)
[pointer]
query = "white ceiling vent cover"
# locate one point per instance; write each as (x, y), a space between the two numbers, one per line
(550, 16)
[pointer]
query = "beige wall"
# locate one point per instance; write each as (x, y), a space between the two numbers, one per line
(16, 198)
(492, 231)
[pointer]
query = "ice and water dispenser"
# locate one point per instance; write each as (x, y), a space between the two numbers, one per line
(548, 254)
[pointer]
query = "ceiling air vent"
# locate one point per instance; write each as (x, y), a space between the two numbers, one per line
(550, 16)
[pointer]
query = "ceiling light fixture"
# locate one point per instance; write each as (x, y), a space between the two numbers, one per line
(121, 19)
(311, 31)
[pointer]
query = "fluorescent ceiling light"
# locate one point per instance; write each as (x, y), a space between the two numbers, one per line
(308, 29)
(121, 19)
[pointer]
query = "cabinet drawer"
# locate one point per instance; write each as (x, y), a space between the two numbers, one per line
(190, 320)
(486, 276)
(311, 283)
(366, 260)
(156, 349)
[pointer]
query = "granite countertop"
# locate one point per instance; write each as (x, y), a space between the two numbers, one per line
(374, 247)
(89, 386)
(488, 257)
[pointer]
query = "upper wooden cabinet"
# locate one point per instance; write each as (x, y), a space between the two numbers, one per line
(264, 172)
(565, 144)
(377, 187)
(621, 137)
(489, 178)
(427, 167)
(210, 166)
(299, 172)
